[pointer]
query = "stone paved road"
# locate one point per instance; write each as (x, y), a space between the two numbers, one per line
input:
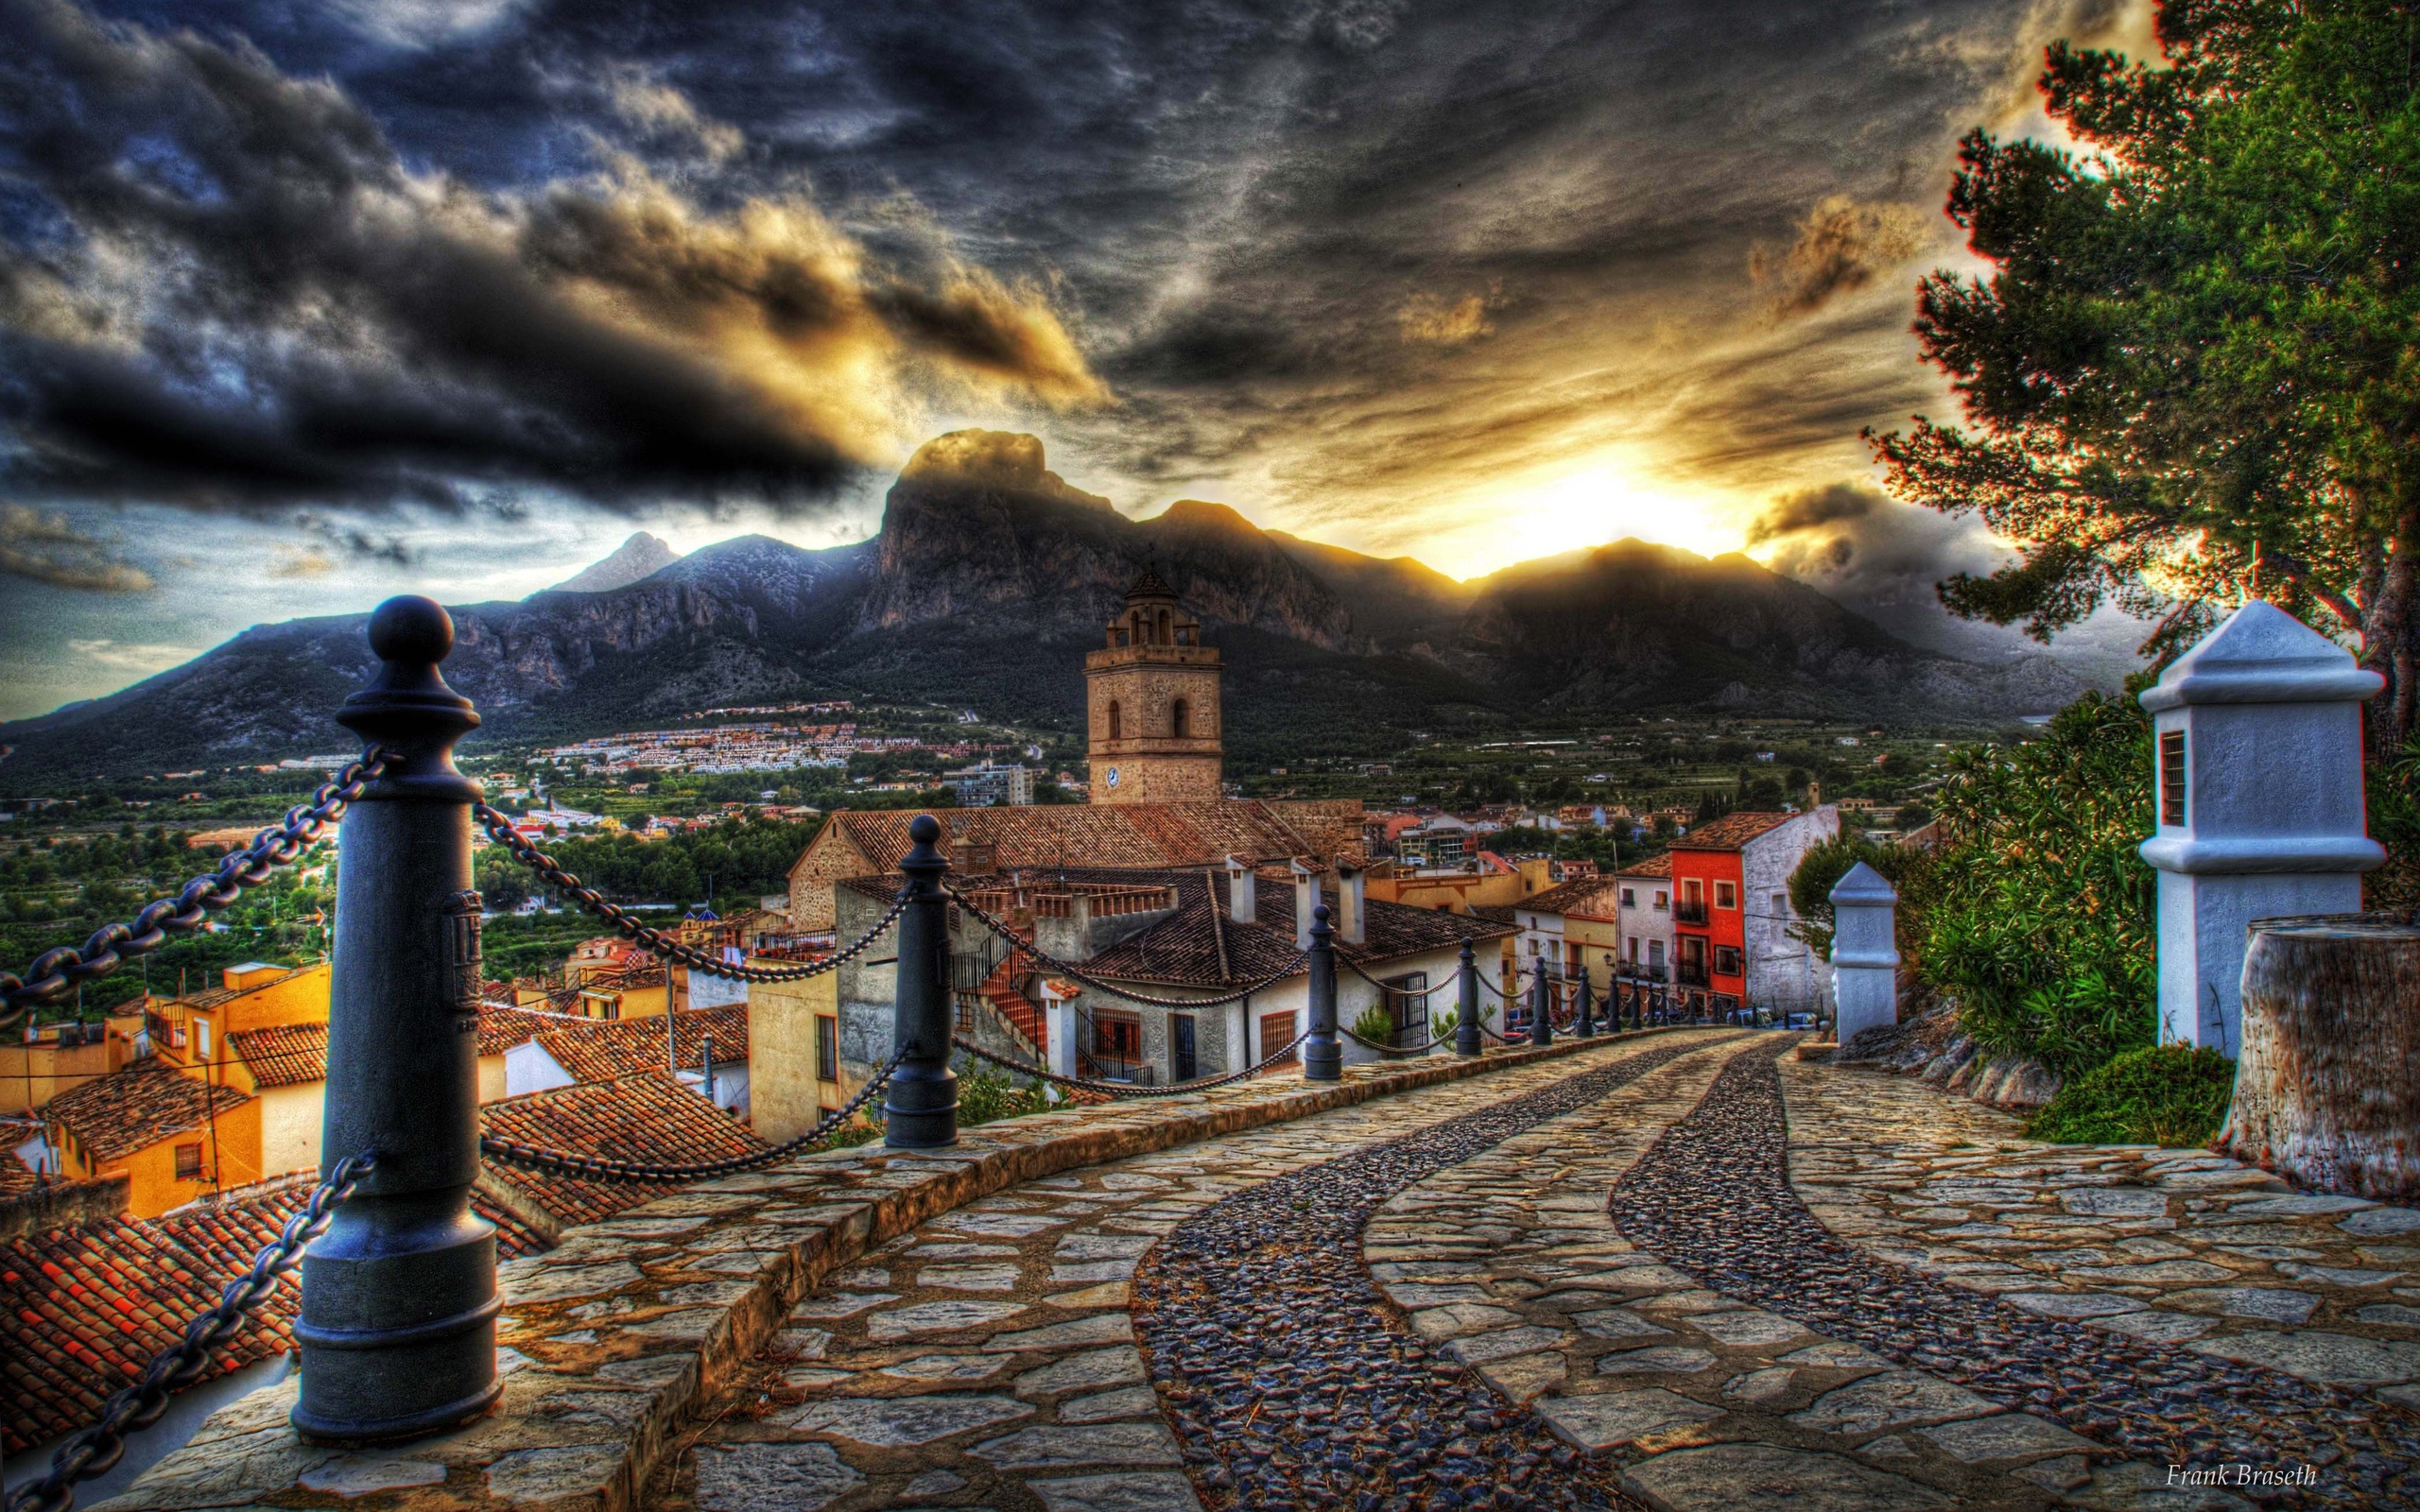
(1930, 1312)
(988, 1358)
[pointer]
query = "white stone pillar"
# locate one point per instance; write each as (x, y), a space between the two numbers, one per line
(2258, 750)
(1059, 1020)
(1865, 953)
(1306, 897)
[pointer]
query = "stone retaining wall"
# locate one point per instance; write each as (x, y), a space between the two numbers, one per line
(610, 1339)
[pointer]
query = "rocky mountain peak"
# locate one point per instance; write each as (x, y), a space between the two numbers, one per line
(641, 556)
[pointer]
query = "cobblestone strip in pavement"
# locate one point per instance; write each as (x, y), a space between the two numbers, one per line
(1714, 1198)
(986, 1358)
(2177, 1248)
(1291, 1382)
(1694, 1400)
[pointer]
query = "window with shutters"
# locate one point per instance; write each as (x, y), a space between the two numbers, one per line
(827, 1048)
(188, 1163)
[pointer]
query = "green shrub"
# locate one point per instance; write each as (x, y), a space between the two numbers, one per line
(2041, 922)
(987, 1094)
(2171, 1096)
(1444, 1024)
(1375, 1023)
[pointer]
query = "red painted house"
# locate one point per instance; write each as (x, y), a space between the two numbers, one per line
(1731, 912)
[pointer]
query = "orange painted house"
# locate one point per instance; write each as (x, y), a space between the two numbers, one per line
(1731, 912)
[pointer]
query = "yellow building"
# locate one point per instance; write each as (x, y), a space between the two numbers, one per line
(1151, 704)
(64, 1056)
(796, 1073)
(173, 1136)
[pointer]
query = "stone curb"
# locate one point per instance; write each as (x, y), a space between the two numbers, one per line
(676, 1293)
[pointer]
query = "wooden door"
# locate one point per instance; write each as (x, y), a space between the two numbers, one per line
(1181, 1062)
(1277, 1029)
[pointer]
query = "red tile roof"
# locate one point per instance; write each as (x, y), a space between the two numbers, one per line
(1119, 834)
(83, 1309)
(1658, 864)
(602, 1049)
(1201, 946)
(649, 1117)
(1731, 832)
(285, 1055)
(1571, 896)
(131, 1109)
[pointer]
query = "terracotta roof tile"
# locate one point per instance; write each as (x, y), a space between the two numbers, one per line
(602, 1050)
(1122, 834)
(1730, 831)
(1200, 946)
(285, 1055)
(83, 1309)
(649, 1117)
(131, 1109)
(1569, 897)
(1658, 864)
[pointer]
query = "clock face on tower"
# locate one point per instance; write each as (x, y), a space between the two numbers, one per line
(1111, 777)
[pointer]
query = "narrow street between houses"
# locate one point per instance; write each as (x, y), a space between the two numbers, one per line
(1686, 1272)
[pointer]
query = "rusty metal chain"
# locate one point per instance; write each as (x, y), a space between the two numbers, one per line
(1120, 1089)
(96, 1448)
(1421, 1049)
(500, 830)
(1077, 973)
(605, 1168)
(57, 970)
(1421, 996)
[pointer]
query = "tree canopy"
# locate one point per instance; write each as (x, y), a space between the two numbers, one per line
(2189, 375)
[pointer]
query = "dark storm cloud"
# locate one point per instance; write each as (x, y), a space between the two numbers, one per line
(223, 286)
(1871, 552)
(48, 548)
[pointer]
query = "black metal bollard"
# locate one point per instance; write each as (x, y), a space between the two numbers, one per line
(1466, 1041)
(398, 1303)
(1581, 1010)
(1323, 1054)
(921, 1104)
(1541, 1009)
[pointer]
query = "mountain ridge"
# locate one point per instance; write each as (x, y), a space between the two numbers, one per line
(991, 576)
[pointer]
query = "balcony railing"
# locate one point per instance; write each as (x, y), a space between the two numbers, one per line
(1686, 912)
(1690, 973)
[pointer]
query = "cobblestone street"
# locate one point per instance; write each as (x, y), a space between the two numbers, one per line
(1602, 1281)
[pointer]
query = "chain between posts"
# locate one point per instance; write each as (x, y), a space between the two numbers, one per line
(500, 830)
(55, 972)
(97, 1449)
(1074, 973)
(608, 1169)
(1120, 1089)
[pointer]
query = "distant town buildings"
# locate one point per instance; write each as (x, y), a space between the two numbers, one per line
(988, 783)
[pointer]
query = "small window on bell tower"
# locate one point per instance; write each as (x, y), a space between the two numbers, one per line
(1115, 732)
(1179, 716)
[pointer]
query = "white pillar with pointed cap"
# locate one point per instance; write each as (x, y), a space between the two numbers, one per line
(2257, 752)
(1306, 897)
(1242, 890)
(1865, 953)
(1352, 904)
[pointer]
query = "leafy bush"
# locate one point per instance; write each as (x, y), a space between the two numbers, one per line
(1820, 869)
(1375, 1023)
(2172, 1096)
(987, 1094)
(2041, 922)
(1442, 1026)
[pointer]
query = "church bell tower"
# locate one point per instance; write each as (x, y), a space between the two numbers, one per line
(1151, 703)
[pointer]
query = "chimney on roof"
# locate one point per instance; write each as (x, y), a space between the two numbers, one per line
(1352, 906)
(1306, 897)
(1242, 890)
(969, 856)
